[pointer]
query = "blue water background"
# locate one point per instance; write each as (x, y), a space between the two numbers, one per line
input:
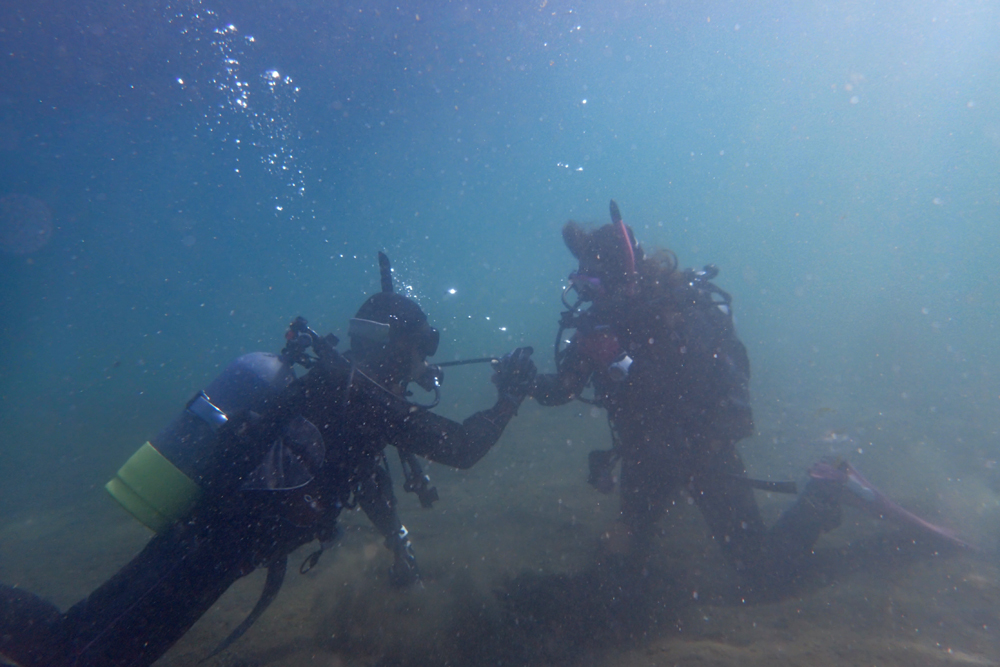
(837, 161)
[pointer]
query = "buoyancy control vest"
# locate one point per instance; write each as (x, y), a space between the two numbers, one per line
(597, 341)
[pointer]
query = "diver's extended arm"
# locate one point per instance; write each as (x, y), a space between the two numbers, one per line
(459, 445)
(462, 445)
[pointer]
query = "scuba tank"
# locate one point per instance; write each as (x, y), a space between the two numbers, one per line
(163, 480)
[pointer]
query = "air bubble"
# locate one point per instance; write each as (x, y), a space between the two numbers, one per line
(257, 107)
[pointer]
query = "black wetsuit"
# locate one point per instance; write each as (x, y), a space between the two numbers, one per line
(134, 617)
(676, 418)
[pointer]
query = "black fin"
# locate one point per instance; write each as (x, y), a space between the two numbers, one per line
(385, 272)
(275, 577)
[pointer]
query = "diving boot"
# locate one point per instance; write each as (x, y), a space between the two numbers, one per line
(404, 571)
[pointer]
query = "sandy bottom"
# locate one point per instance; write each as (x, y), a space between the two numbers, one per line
(508, 560)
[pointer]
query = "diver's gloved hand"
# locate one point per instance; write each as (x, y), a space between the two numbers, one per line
(514, 374)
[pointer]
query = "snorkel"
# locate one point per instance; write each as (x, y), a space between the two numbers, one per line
(616, 219)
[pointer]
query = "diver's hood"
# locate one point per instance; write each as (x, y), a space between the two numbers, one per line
(609, 253)
(387, 317)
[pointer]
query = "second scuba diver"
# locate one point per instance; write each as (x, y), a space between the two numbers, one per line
(659, 348)
(257, 465)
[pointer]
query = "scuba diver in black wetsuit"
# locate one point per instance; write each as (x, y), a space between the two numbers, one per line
(659, 348)
(257, 465)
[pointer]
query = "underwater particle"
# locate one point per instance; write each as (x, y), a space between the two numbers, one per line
(25, 224)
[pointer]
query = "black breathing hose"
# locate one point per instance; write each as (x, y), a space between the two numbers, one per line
(463, 362)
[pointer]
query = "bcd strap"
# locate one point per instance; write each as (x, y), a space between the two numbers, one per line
(275, 577)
